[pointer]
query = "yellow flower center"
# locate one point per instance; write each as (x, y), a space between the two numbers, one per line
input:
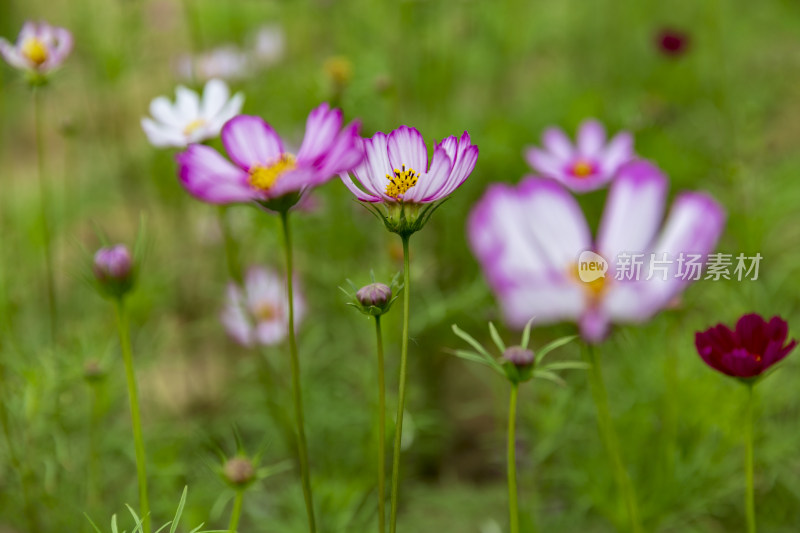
(264, 177)
(35, 50)
(400, 182)
(582, 169)
(594, 289)
(265, 312)
(194, 126)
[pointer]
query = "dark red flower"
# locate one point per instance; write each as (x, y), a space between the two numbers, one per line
(747, 352)
(672, 42)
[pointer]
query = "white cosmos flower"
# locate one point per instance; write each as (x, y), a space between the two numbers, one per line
(191, 119)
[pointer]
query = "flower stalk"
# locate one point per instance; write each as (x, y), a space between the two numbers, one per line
(297, 395)
(44, 200)
(401, 396)
(610, 439)
(513, 504)
(381, 429)
(127, 357)
(236, 512)
(750, 505)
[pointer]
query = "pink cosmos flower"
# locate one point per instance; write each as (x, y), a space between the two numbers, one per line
(40, 48)
(259, 314)
(587, 165)
(749, 350)
(262, 170)
(191, 118)
(528, 240)
(395, 168)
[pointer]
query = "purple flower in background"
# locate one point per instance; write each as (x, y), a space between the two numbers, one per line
(747, 351)
(40, 48)
(672, 42)
(395, 169)
(262, 169)
(259, 314)
(588, 164)
(191, 119)
(529, 238)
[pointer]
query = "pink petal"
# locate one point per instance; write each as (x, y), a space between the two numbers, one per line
(407, 148)
(463, 166)
(322, 126)
(545, 163)
(430, 184)
(211, 178)
(591, 137)
(557, 142)
(618, 152)
(633, 210)
(250, 141)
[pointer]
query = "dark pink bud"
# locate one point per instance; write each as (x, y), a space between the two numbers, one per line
(113, 263)
(374, 295)
(518, 356)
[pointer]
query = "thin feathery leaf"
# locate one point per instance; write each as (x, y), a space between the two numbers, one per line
(567, 365)
(526, 335)
(498, 341)
(97, 529)
(552, 346)
(471, 341)
(550, 376)
(179, 512)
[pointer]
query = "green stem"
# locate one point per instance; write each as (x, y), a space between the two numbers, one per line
(236, 512)
(609, 436)
(44, 201)
(750, 504)
(297, 395)
(401, 397)
(381, 430)
(231, 248)
(136, 420)
(513, 510)
(22, 470)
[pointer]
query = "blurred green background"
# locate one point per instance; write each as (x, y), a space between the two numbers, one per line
(722, 117)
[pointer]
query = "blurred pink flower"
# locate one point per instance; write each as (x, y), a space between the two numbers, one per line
(225, 62)
(269, 45)
(40, 48)
(262, 170)
(672, 42)
(528, 240)
(191, 119)
(259, 314)
(395, 168)
(588, 164)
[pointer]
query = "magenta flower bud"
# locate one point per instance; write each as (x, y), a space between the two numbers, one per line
(113, 269)
(239, 471)
(374, 295)
(518, 356)
(672, 42)
(113, 263)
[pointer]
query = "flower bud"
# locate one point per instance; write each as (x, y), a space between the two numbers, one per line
(112, 263)
(239, 471)
(93, 371)
(374, 295)
(113, 269)
(518, 356)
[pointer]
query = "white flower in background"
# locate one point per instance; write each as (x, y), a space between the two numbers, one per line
(191, 119)
(269, 45)
(259, 313)
(225, 62)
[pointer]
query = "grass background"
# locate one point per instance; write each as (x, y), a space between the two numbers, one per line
(723, 118)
